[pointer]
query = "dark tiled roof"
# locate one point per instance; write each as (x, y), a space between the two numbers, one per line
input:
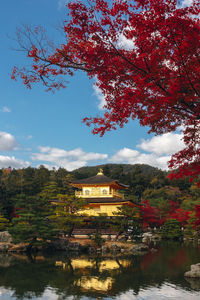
(105, 200)
(98, 179)
(93, 230)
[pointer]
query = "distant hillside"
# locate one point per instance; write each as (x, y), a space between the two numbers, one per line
(117, 170)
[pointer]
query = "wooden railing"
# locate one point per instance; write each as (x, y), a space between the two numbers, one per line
(97, 194)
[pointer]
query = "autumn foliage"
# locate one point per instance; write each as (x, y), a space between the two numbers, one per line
(197, 216)
(151, 215)
(180, 215)
(145, 58)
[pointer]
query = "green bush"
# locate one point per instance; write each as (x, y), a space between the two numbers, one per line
(171, 229)
(4, 223)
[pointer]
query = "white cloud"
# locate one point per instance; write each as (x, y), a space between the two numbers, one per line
(29, 137)
(100, 96)
(125, 154)
(124, 43)
(168, 143)
(70, 160)
(131, 156)
(5, 109)
(11, 161)
(7, 141)
(187, 3)
(160, 149)
(153, 160)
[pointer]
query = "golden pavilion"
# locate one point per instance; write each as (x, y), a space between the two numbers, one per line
(101, 194)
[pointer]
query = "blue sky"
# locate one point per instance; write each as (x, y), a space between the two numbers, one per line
(38, 127)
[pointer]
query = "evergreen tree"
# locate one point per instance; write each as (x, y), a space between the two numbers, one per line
(137, 181)
(128, 221)
(67, 188)
(42, 176)
(171, 229)
(190, 231)
(106, 170)
(60, 174)
(66, 214)
(4, 223)
(99, 222)
(50, 191)
(32, 224)
(6, 204)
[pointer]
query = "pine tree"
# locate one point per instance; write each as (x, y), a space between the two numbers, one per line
(32, 224)
(171, 229)
(66, 215)
(128, 221)
(4, 223)
(50, 191)
(190, 231)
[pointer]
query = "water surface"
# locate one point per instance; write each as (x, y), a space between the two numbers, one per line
(157, 275)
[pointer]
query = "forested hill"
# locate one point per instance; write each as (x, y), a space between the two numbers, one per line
(145, 183)
(116, 170)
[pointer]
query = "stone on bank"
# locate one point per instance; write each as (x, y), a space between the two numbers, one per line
(194, 272)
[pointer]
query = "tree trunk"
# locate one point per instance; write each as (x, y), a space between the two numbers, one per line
(30, 246)
(70, 232)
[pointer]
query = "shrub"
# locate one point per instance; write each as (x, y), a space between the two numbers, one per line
(171, 229)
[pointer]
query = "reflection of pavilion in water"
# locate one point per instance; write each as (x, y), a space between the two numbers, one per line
(94, 283)
(88, 280)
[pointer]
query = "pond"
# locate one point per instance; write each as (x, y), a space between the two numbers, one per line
(157, 275)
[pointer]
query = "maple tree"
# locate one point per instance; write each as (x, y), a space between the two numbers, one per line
(153, 216)
(150, 215)
(145, 56)
(180, 215)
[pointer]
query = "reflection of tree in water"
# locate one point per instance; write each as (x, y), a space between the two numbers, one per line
(153, 269)
(27, 278)
(5, 260)
(97, 276)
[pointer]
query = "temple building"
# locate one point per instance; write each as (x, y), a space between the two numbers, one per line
(101, 194)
